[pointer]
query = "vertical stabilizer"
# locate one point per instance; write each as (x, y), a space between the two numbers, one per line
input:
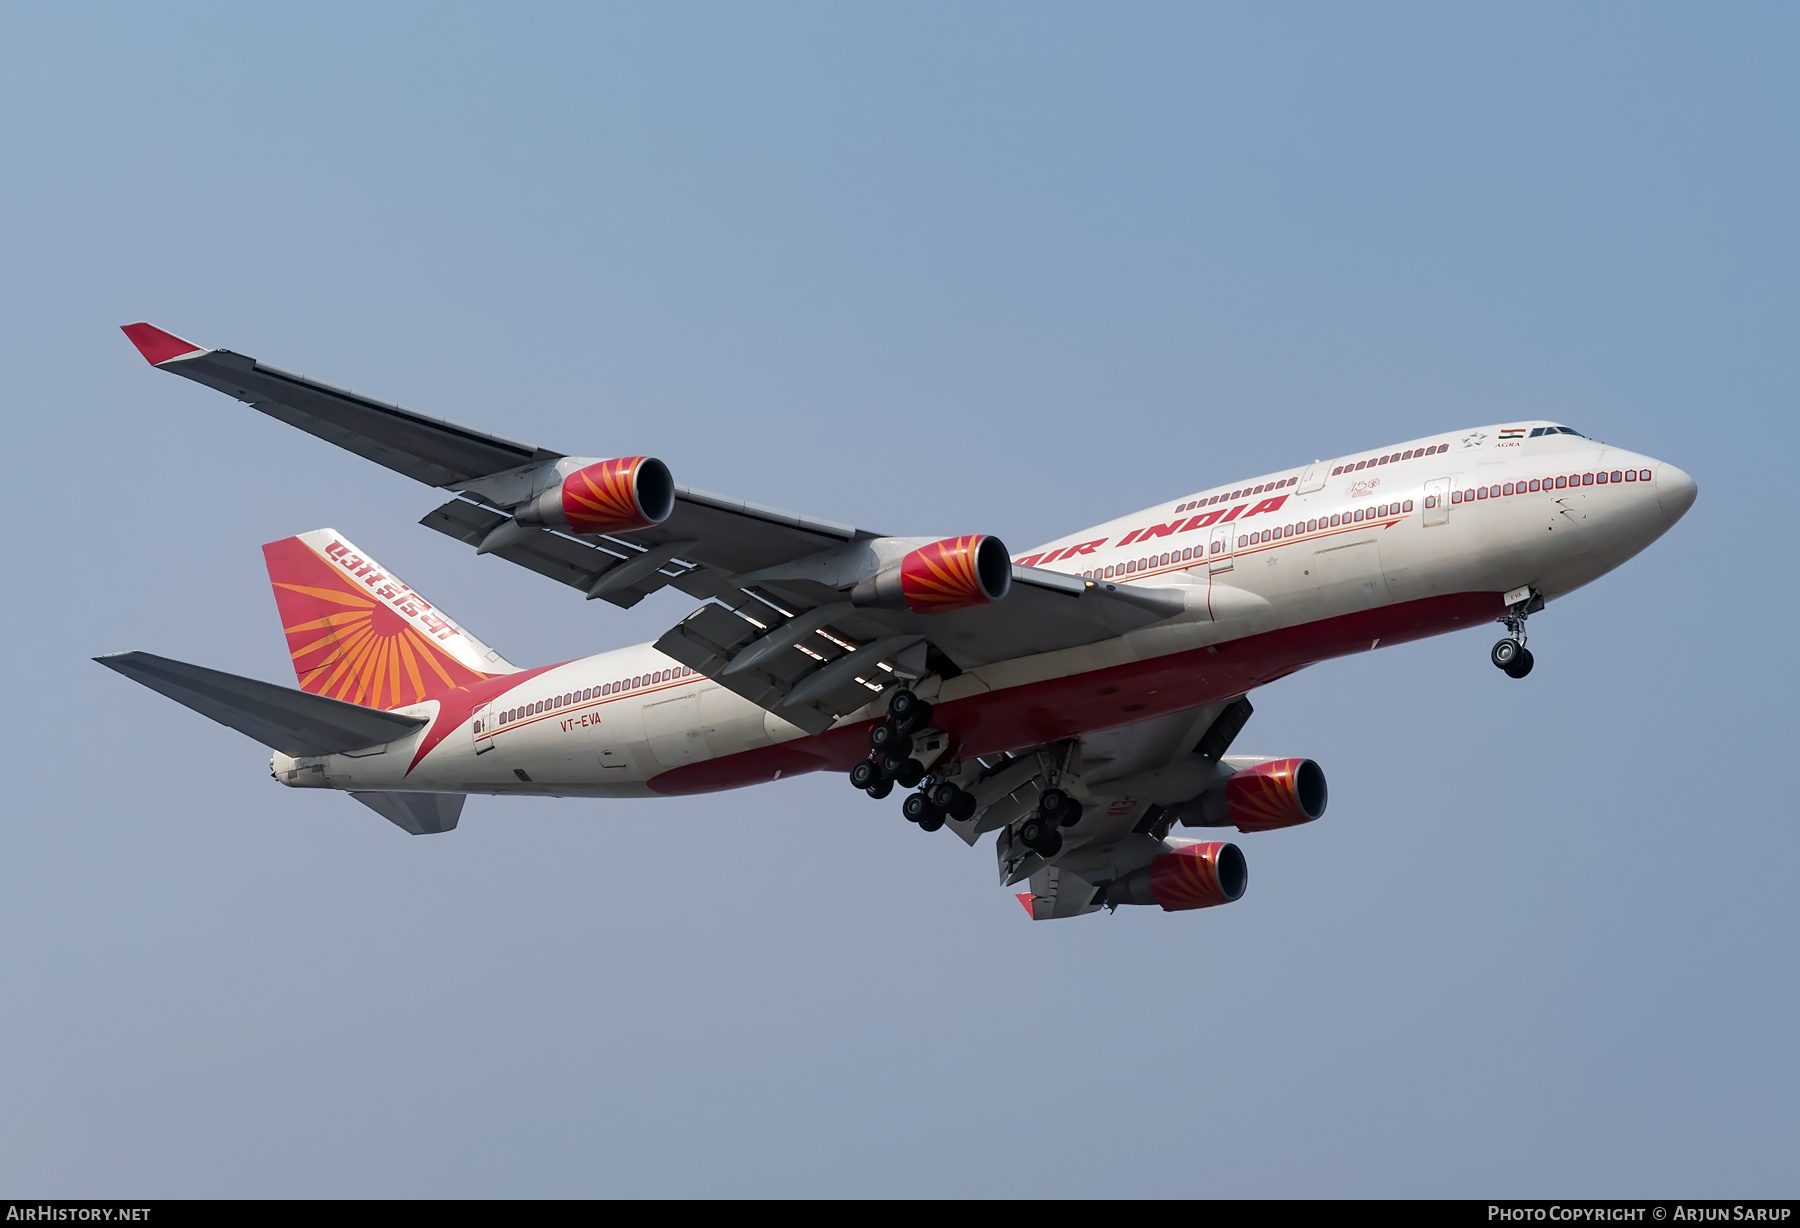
(358, 634)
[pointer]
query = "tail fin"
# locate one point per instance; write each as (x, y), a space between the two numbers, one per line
(357, 633)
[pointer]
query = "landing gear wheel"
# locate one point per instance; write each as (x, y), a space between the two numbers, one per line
(909, 774)
(1070, 814)
(922, 810)
(865, 774)
(880, 788)
(918, 807)
(1521, 664)
(908, 711)
(1039, 835)
(1505, 653)
(887, 737)
(959, 804)
(893, 763)
(1051, 802)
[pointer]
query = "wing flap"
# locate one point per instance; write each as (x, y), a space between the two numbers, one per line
(578, 563)
(292, 722)
(1057, 893)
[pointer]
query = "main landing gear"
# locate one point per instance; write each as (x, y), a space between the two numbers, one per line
(890, 763)
(1510, 654)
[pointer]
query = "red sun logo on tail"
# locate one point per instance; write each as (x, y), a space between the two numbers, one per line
(357, 634)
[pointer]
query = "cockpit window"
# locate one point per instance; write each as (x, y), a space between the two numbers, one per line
(1556, 430)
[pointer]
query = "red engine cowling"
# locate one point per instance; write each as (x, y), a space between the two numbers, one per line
(1191, 876)
(1280, 793)
(953, 574)
(609, 496)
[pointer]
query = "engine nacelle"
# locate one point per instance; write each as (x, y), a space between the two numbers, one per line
(609, 496)
(1188, 876)
(953, 574)
(1261, 797)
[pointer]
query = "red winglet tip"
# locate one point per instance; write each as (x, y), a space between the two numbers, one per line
(156, 346)
(1025, 899)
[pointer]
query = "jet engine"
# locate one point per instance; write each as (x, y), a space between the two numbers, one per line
(609, 496)
(1188, 876)
(953, 574)
(1260, 797)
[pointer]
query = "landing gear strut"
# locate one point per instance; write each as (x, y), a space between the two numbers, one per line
(1510, 654)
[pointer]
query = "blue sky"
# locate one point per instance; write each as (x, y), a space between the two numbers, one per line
(953, 268)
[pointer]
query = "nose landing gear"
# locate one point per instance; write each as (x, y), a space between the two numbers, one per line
(1510, 654)
(1512, 657)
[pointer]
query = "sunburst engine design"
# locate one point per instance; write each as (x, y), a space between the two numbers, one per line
(1261, 797)
(610, 496)
(1191, 876)
(953, 574)
(1280, 793)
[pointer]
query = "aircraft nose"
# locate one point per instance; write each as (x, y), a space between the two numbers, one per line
(1675, 492)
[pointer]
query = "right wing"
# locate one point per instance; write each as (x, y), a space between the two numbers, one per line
(1131, 781)
(779, 628)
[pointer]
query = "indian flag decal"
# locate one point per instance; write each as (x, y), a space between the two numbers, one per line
(1513, 432)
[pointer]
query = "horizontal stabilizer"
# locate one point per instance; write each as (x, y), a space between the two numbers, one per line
(422, 814)
(289, 721)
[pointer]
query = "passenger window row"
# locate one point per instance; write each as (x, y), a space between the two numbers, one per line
(1391, 458)
(594, 692)
(1298, 528)
(1560, 482)
(1302, 527)
(1228, 496)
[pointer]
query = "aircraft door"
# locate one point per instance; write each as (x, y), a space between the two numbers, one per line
(1437, 502)
(484, 730)
(1219, 551)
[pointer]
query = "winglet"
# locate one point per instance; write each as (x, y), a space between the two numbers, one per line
(1025, 899)
(159, 347)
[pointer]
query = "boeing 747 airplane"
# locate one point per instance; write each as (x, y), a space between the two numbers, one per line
(1078, 700)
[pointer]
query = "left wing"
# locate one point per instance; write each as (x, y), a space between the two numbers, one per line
(809, 618)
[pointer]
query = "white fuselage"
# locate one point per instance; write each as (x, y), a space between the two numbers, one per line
(1268, 558)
